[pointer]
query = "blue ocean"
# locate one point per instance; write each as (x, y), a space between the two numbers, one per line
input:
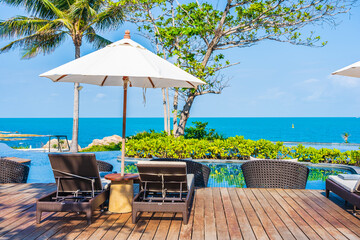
(308, 130)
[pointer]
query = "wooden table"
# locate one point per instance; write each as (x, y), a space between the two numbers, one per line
(121, 192)
(19, 160)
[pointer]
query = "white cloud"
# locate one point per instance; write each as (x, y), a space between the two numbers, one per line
(99, 96)
(272, 93)
(347, 82)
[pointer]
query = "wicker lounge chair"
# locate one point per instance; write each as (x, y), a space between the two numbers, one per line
(104, 166)
(275, 174)
(165, 187)
(346, 189)
(79, 187)
(201, 172)
(13, 172)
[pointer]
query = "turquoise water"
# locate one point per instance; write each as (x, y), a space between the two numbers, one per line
(275, 129)
(222, 174)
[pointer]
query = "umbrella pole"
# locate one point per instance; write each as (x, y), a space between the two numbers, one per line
(125, 79)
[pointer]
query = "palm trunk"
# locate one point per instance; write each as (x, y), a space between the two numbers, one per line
(175, 106)
(168, 111)
(75, 133)
(165, 111)
(185, 114)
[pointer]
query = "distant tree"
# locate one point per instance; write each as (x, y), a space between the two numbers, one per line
(346, 136)
(51, 21)
(195, 34)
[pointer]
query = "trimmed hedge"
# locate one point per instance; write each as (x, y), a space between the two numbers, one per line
(161, 145)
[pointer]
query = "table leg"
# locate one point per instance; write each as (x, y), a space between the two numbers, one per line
(121, 196)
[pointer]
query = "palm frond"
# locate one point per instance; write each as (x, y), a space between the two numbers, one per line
(40, 8)
(96, 40)
(110, 18)
(21, 26)
(37, 43)
(81, 9)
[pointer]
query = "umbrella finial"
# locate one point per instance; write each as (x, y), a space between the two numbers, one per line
(127, 34)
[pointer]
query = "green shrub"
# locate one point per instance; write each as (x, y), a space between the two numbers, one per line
(199, 131)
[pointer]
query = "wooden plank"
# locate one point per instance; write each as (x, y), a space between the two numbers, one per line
(140, 226)
(164, 226)
(303, 225)
(330, 219)
(332, 210)
(272, 215)
(117, 226)
(333, 205)
(264, 219)
(80, 227)
(186, 230)
(175, 226)
(104, 227)
(220, 219)
(256, 225)
(152, 227)
(233, 225)
(321, 220)
(317, 226)
(90, 229)
(243, 221)
(199, 215)
(35, 230)
(288, 221)
(210, 225)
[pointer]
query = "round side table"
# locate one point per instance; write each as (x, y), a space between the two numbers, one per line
(121, 192)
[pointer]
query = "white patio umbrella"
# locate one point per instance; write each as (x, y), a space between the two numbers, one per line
(352, 70)
(123, 63)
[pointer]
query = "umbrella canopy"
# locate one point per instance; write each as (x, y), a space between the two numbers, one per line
(124, 58)
(123, 63)
(352, 70)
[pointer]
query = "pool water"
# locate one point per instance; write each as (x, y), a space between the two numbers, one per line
(230, 175)
(222, 174)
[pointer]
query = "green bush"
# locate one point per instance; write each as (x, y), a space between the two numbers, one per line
(199, 131)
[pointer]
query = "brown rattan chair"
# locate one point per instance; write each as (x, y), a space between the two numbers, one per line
(275, 174)
(201, 172)
(13, 172)
(104, 166)
(164, 187)
(79, 187)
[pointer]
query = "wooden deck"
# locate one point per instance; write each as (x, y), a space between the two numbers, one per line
(217, 213)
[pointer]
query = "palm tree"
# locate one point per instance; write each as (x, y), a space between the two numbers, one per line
(346, 136)
(51, 21)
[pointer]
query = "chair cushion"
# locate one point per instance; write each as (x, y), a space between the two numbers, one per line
(349, 176)
(105, 183)
(189, 180)
(349, 185)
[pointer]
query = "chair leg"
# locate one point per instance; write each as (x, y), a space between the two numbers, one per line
(354, 210)
(88, 213)
(38, 216)
(327, 193)
(185, 215)
(134, 216)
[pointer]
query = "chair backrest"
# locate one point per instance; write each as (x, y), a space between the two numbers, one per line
(104, 166)
(13, 172)
(83, 165)
(201, 172)
(157, 176)
(275, 174)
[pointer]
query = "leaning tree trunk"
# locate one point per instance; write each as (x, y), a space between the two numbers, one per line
(175, 106)
(185, 114)
(75, 133)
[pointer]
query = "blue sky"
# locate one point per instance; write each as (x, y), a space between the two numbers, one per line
(273, 80)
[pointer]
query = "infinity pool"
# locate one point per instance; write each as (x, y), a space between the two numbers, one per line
(222, 174)
(230, 175)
